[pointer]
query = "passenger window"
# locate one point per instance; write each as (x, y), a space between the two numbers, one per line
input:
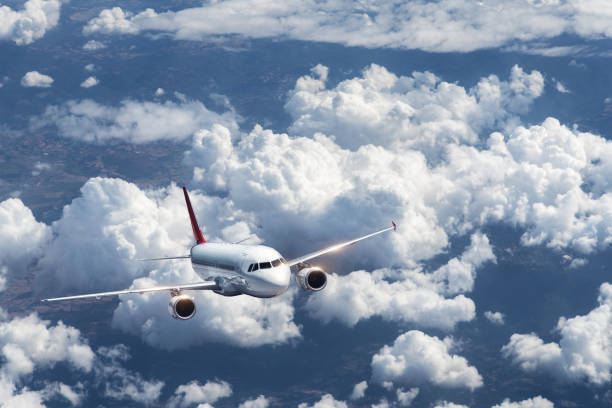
(255, 267)
(276, 262)
(265, 265)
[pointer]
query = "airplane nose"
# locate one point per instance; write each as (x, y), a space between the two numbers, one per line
(280, 278)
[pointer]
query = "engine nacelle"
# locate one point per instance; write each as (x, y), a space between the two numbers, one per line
(311, 278)
(182, 307)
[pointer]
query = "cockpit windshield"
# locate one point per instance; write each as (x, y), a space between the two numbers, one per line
(266, 265)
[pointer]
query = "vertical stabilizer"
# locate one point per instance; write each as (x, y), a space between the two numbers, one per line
(197, 232)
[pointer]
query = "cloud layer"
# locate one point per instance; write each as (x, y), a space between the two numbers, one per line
(35, 79)
(442, 26)
(22, 238)
(548, 178)
(535, 402)
(30, 23)
(415, 358)
(119, 383)
(327, 401)
(419, 112)
(89, 82)
(29, 345)
(188, 395)
(132, 121)
(584, 352)
(409, 296)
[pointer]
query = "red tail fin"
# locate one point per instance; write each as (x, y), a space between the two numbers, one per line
(197, 232)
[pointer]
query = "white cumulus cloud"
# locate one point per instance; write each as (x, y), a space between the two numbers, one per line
(29, 345)
(415, 358)
(188, 395)
(28, 342)
(22, 238)
(74, 395)
(405, 398)
(584, 352)
(327, 401)
(406, 296)
(311, 183)
(30, 23)
(101, 232)
(446, 404)
(89, 82)
(35, 79)
(383, 403)
(548, 178)
(132, 121)
(359, 390)
(495, 317)
(113, 20)
(259, 402)
(535, 402)
(420, 111)
(241, 321)
(93, 45)
(120, 383)
(560, 87)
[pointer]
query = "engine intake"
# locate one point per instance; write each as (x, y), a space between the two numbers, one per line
(311, 278)
(182, 307)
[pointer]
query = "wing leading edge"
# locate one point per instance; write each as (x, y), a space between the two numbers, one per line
(189, 286)
(338, 247)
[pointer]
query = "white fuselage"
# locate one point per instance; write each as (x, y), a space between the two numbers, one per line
(259, 270)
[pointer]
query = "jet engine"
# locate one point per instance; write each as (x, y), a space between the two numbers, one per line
(182, 307)
(311, 278)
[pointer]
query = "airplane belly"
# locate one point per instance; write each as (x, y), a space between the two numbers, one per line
(264, 292)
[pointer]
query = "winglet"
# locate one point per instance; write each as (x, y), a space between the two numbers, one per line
(197, 232)
(394, 225)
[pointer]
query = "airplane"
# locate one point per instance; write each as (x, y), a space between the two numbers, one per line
(235, 269)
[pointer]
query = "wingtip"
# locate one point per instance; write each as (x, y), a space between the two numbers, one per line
(394, 225)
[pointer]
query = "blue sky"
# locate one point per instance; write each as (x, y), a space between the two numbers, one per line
(480, 127)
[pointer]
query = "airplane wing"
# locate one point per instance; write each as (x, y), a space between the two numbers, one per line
(190, 286)
(337, 247)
